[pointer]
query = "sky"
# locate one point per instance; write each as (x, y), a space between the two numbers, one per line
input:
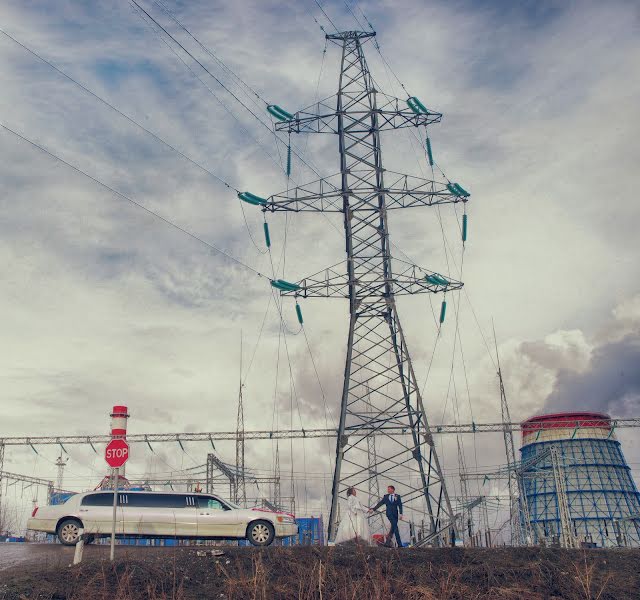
(104, 304)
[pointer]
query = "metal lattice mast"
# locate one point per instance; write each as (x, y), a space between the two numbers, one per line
(519, 516)
(240, 488)
(467, 514)
(567, 540)
(277, 494)
(378, 394)
(518, 536)
(61, 464)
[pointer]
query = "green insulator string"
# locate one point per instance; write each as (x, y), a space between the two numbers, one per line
(267, 237)
(299, 314)
(284, 286)
(416, 106)
(279, 113)
(443, 311)
(289, 158)
(464, 227)
(250, 198)
(436, 279)
(429, 153)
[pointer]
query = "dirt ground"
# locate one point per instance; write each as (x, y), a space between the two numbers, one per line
(326, 574)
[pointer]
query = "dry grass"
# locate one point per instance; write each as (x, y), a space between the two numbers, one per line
(355, 573)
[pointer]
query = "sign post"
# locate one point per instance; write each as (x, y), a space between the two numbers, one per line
(116, 454)
(115, 475)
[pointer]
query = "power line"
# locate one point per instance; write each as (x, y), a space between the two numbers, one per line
(132, 201)
(326, 15)
(216, 79)
(117, 110)
(175, 19)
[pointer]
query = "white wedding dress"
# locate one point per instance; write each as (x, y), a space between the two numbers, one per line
(354, 523)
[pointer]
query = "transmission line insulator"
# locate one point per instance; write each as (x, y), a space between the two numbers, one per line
(267, 237)
(289, 160)
(250, 198)
(429, 153)
(299, 314)
(461, 191)
(279, 113)
(284, 286)
(464, 228)
(416, 106)
(443, 311)
(436, 279)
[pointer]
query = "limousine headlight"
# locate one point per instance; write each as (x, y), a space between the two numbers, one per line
(285, 520)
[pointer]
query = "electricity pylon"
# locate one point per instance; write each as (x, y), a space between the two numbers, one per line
(240, 488)
(520, 523)
(380, 389)
(61, 463)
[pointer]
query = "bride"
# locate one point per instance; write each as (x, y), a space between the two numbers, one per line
(353, 525)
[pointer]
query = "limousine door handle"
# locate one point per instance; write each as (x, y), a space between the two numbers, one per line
(205, 514)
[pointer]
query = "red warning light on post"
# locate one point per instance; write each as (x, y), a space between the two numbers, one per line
(116, 453)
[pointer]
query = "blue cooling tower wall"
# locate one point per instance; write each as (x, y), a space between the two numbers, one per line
(604, 504)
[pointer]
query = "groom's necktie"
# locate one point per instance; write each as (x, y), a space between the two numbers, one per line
(392, 497)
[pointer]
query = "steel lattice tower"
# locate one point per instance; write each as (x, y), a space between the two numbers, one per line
(519, 523)
(380, 389)
(240, 488)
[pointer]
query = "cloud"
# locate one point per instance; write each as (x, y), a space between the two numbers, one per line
(610, 385)
(102, 304)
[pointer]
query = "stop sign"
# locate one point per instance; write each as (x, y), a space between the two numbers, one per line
(116, 453)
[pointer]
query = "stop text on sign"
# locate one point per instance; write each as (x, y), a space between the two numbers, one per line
(116, 453)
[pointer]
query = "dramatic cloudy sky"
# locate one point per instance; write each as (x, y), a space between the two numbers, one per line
(103, 304)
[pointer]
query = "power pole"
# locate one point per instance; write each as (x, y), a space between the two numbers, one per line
(61, 464)
(277, 495)
(520, 524)
(467, 513)
(376, 394)
(240, 488)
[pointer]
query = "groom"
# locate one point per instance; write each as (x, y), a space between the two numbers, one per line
(393, 506)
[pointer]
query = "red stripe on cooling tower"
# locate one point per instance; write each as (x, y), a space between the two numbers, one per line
(565, 421)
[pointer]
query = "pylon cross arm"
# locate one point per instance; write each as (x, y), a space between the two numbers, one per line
(333, 282)
(322, 117)
(326, 195)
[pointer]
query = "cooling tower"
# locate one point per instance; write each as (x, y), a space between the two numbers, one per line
(574, 461)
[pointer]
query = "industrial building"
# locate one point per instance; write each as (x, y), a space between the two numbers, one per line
(578, 488)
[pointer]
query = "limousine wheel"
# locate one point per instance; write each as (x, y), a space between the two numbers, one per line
(260, 533)
(69, 532)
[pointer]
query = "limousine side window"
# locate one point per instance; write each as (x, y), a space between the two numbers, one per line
(140, 500)
(210, 503)
(158, 500)
(101, 499)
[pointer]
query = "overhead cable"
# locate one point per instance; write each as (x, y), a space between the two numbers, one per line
(117, 110)
(165, 220)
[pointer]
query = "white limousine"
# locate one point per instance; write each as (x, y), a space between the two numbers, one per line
(160, 514)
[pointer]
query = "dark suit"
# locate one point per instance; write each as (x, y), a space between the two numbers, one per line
(393, 510)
